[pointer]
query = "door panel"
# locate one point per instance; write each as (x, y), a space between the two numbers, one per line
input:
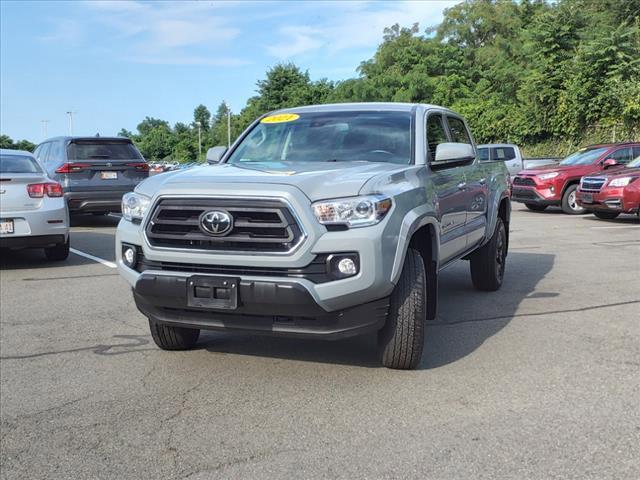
(477, 194)
(450, 193)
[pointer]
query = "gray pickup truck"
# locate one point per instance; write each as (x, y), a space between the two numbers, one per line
(323, 221)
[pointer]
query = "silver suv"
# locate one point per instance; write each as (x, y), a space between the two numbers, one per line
(324, 221)
(94, 171)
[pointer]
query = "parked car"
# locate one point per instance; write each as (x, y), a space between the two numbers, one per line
(512, 157)
(557, 184)
(607, 196)
(94, 171)
(323, 221)
(33, 213)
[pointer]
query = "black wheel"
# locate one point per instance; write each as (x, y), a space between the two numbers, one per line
(488, 262)
(401, 340)
(606, 215)
(168, 337)
(535, 208)
(59, 252)
(570, 203)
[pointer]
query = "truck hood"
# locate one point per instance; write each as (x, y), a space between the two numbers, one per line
(317, 180)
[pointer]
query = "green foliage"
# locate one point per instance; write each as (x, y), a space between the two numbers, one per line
(7, 142)
(550, 76)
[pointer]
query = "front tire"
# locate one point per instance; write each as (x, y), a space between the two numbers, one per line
(57, 253)
(401, 340)
(535, 208)
(488, 262)
(606, 215)
(570, 203)
(168, 337)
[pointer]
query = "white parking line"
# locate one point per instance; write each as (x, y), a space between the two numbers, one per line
(104, 262)
(616, 226)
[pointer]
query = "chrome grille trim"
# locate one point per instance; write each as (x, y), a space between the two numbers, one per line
(592, 184)
(287, 221)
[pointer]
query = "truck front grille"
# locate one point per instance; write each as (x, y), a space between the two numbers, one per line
(259, 225)
(592, 184)
(524, 181)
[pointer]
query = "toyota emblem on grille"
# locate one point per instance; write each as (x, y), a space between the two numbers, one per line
(216, 222)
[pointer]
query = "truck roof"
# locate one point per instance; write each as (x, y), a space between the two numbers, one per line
(93, 137)
(362, 106)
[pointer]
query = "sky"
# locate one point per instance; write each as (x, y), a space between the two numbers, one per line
(115, 62)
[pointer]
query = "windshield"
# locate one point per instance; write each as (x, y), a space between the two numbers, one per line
(328, 137)
(102, 150)
(635, 163)
(586, 156)
(18, 164)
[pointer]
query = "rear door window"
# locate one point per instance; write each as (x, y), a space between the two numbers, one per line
(483, 154)
(101, 150)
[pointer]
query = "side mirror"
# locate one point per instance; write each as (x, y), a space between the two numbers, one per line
(453, 152)
(215, 154)
(609, 162)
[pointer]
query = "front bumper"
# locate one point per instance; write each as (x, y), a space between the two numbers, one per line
(277, 307)
(95, 201)
(609, 200)
(532, 195)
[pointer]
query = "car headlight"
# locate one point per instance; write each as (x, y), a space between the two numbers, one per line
(548, 176)
(353, 211)
(621, 182)
(134, 206)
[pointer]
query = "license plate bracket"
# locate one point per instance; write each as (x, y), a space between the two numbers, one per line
(213, 292)
(6, 226)
(587, 198)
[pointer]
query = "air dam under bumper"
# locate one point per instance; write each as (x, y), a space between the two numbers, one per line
(264, 307)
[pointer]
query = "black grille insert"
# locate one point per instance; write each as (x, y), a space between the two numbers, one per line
(592, 184)
(524, 181)
(259, 225)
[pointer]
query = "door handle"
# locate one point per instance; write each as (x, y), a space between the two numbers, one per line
(462, 185)
(482, 181)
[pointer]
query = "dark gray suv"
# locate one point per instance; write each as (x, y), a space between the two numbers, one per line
(94, 171)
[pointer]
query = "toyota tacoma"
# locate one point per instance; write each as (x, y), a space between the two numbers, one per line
(321, 221)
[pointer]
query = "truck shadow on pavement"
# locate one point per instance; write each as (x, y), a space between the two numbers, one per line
(466, 319)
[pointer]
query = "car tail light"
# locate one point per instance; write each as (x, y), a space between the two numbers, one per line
(142, 166)
(72, 167)
(38, 190)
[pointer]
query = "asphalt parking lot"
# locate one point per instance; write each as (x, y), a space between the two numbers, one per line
(538, 380)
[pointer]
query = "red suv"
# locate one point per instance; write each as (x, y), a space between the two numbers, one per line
(607, 196)
(557, 184)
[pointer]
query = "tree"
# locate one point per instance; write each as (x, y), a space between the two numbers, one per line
(201, 114)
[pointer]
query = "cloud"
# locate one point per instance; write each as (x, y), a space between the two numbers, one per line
(351, 25)
(167, 32)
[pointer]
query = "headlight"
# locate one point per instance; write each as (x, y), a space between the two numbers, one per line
(353, 211)
(548, 176)
(134, 206)
(621, 182)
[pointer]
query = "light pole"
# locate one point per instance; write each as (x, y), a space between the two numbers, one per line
(45, 130)
(199, 140)
(71, 122)
(228, 127)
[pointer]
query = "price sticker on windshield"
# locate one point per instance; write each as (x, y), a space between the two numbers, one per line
(281, 118)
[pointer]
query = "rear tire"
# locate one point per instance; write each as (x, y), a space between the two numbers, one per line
(488, 262)
(59, 252)
(569, 202)
(535, 208)
(606, 215)
(168, 337)
(401, 340)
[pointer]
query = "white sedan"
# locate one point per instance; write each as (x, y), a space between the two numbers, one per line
(33, 212)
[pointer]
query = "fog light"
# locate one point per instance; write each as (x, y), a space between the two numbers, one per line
(346, 266)
(129, 256)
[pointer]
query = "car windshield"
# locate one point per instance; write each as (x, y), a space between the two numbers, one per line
(102, 150)
(18, 164)
(586, 156)
(328, 137)
(635, 163)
